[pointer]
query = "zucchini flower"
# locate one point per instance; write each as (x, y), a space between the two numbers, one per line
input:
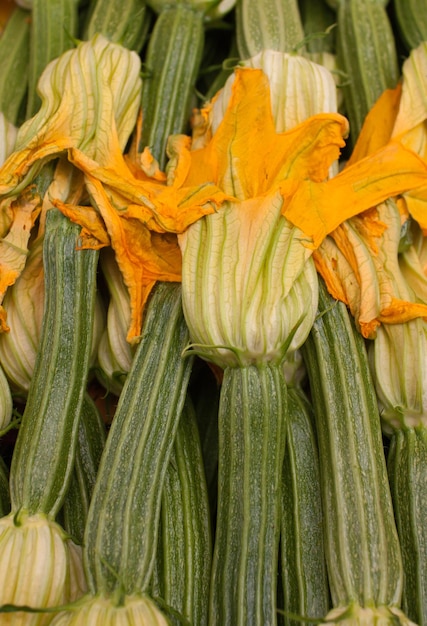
(106, 78)
(49, 567)
(136, 609)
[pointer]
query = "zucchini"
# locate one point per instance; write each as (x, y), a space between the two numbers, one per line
(407, 468)
(411, 22)
(362, 547)
(252, 428)
(366, 54)
(172, 60)
(268, 25)
(185, 551)
(14, 58)
(303, 563)
(43, 456)
(124, 22)
(90, 444)
(53, 30)
(122, 525)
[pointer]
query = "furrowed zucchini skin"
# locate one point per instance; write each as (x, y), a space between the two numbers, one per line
(407, 463)
(44, 452)
(185, 549)
(411, 21)
(252, 431)
(366, 53)
(122, 21)
(173, 57)
(267, 25)
(303, 563)
(361, 542)
(122, 525)
(14, 57)
(90, 444)
(54, 25)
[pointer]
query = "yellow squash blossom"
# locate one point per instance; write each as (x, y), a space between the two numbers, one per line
(359, 260)
(279, 185)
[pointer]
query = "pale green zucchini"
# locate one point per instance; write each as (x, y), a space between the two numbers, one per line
(268, 25)
(407, 467)
(172, 62)
(122, 525)
(90, 444)
(185, 548)
(252, 429)
(366, 54)
(14, 57)
(362, 547)
(411, 21)
(303, 564)
(122, 21)
(43, 456)
(54, 25)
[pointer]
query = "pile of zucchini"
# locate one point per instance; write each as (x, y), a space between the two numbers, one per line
(186, 475)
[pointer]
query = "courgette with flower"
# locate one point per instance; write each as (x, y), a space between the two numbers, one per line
(121, 534)
(246, 310)
(362, 546)
(172, 60)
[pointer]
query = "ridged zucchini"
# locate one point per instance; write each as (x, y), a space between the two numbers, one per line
(411, 21)
(303, 564)
(252, 430)
(362, 547)
(14, 58)
(122, 525)
(172, 60)
(43, 456)
(185, 549)
(407, 467)
(268, 25)
(90, 444)
(366, 54)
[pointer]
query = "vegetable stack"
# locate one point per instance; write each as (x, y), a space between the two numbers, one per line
(213, 312)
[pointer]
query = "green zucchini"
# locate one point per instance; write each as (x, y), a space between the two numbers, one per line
(362, 547)
(14, 58)
(268, 25)
(185, 550)
(43, 456)
(411, 22)
(407, 468)
(366, 54)
(54, 25)
(90, 444)
(124, 22)
(172, 60)
(122, 525)
(252, 428)
(303, 563)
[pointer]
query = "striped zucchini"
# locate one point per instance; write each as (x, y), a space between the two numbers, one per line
(53, 30)
(252, 418)
(122, 524)
(43, 456)
(407, 467)
(185, 550)
(268, 25)
(303, 565)
(317, 18)
(173, 57)
(124, 22)
(90, 444)
(14, 58)
(362, 547)
(411, 21)
(366, 53)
